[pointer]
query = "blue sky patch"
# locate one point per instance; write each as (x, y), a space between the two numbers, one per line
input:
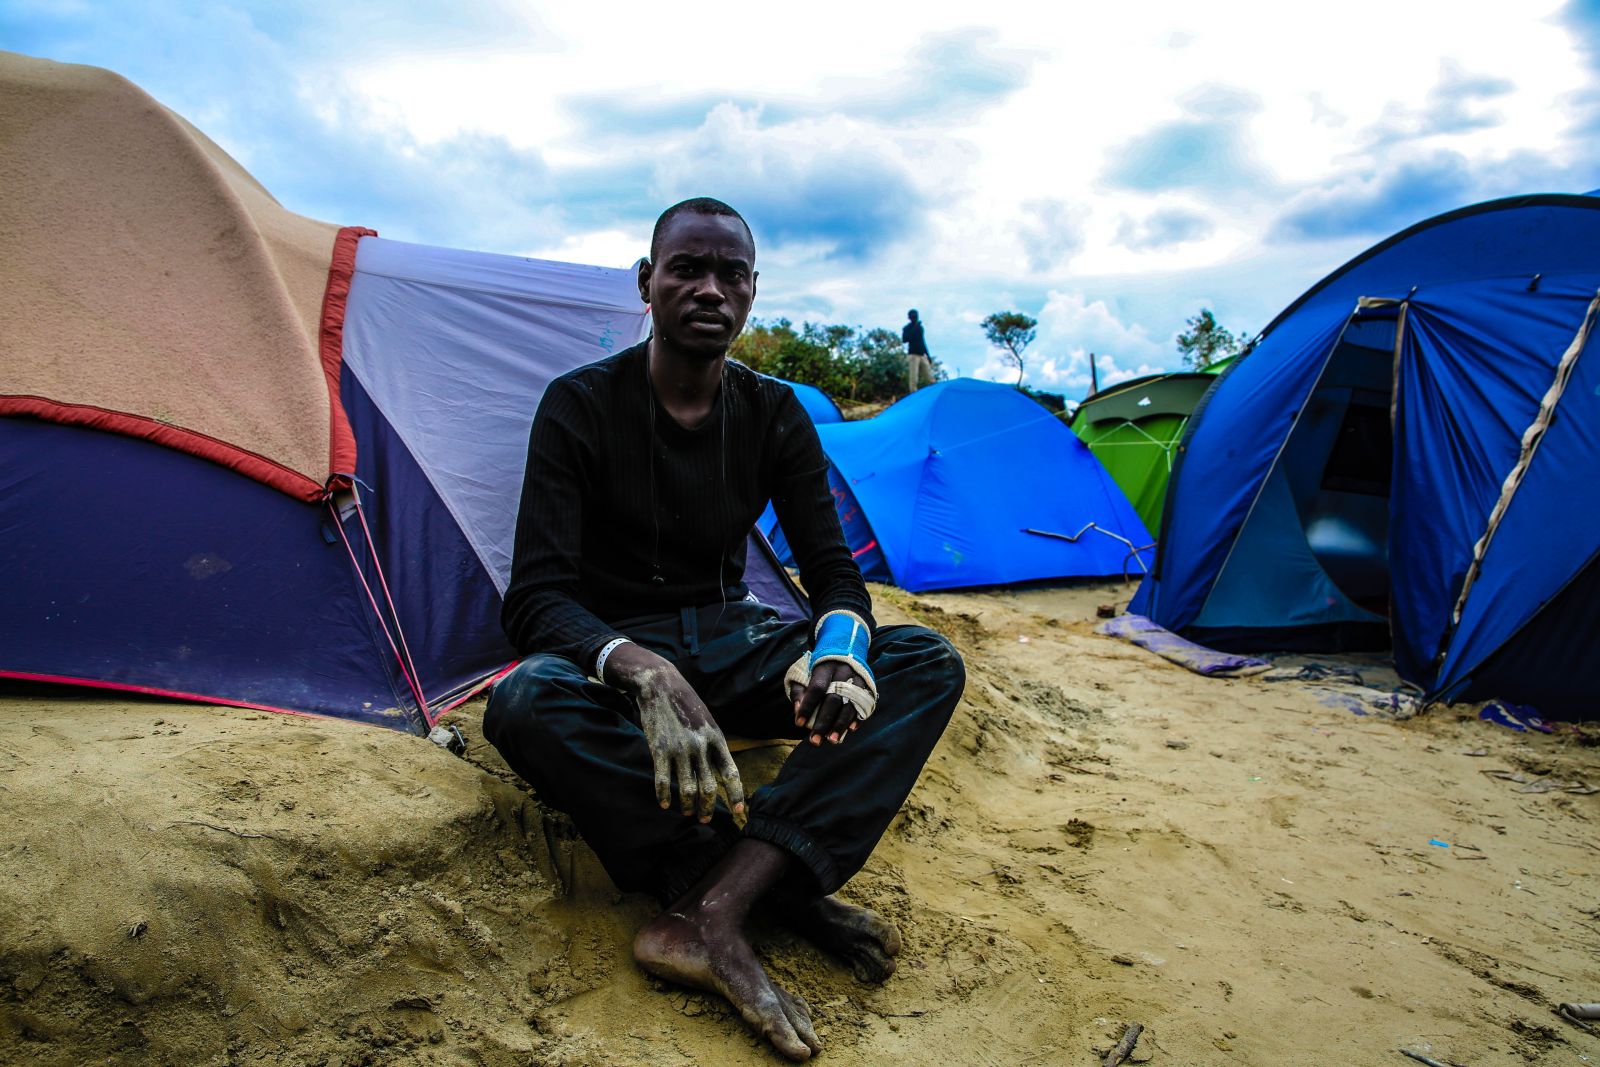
(1381, 205)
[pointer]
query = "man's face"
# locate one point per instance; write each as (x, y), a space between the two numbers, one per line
(701, 287)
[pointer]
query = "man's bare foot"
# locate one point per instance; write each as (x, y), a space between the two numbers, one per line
(709, 951)
(859, 936)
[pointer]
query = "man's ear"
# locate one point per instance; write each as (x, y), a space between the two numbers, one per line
(645, 271)
(755, 276)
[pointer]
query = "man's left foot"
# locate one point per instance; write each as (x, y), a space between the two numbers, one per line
(859, 936)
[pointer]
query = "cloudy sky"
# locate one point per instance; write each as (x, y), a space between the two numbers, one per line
(1108, 169)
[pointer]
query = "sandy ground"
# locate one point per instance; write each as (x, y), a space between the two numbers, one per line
(1101, 838)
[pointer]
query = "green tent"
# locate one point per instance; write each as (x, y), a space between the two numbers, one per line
(1134, 429)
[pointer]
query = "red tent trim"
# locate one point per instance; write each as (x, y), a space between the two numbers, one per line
(251, 465)
(198, 698)
(443, 707)
(335, 299)
(341, 443)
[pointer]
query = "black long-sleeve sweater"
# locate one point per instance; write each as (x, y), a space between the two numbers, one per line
(605, 533)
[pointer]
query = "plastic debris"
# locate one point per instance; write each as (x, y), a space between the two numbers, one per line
(1518, 717)
(448, 738)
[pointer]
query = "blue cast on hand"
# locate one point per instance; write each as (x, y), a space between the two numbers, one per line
(844, 637)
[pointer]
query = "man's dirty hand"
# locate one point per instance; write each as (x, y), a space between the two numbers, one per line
(685, 742)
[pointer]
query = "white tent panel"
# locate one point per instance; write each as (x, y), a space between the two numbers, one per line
(455, 348)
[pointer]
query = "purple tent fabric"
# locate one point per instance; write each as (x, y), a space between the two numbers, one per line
(1169, 646)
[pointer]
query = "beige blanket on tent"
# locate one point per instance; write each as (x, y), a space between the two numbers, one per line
(144, 272)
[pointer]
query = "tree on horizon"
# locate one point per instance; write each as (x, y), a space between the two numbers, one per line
(1206, 342)
(1011, 332)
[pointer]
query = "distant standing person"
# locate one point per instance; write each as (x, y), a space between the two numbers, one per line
(918, 365)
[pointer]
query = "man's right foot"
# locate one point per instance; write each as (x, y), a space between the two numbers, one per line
(710, 952)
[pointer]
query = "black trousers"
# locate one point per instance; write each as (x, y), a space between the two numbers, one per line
(578, 742)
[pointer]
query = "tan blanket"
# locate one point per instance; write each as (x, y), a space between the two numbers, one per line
(145, 274)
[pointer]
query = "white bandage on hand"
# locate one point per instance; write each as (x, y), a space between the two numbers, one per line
(842, 637)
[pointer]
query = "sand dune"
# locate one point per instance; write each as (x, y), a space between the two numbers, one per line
(1100, 838)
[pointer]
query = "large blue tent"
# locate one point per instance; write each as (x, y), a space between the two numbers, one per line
(969, 483)
(1408, 455)
(818, 405)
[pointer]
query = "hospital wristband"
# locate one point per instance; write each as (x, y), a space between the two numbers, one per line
(605, 652)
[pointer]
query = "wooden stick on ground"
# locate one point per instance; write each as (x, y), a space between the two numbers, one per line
(1124, 1047)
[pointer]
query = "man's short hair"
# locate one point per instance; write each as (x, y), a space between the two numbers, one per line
(700, 205)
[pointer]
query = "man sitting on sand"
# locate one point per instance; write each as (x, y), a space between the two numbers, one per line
(646, 472)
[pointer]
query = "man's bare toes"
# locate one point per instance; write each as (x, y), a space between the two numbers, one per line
(870, 963)
(871, 925)
(763, 1006)
(863, 939)
(890, 935)
(776, 1026)
(799, 1013)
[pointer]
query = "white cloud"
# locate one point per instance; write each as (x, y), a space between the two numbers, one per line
(603, 248)
(1070, 329)
(958, 161)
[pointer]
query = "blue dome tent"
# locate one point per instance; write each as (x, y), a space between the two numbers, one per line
(1408, 455)
(818, 405)
(969, 483)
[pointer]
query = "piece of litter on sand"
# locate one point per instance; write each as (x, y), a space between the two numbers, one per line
(1420, 1058)
(1546, 784)
(1436, 843)
(1576, 1014)
(1518, 717)
(1124, 1048)
(1185, 653)
(1255, 778)
(1476, 752)
(1315, 672)
(1024, 639)
(449, 738)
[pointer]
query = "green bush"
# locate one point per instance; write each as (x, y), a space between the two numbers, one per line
(846, 362)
